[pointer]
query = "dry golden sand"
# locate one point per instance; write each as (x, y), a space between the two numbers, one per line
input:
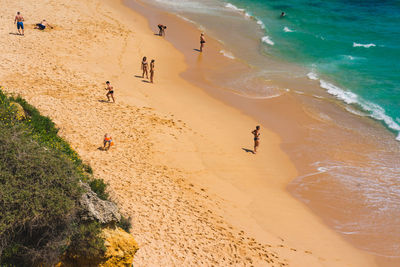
(195, 197)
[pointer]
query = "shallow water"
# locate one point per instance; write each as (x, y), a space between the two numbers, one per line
(353, 46)
(350, 172)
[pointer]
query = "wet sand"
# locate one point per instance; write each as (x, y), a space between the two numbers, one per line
(315, 128)
(178, 168)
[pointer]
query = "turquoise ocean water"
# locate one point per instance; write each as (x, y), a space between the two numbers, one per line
(355, 43)
(352, 47)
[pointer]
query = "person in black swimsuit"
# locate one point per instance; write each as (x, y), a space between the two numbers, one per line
(202, 42)
(256, 134)
(110, 91)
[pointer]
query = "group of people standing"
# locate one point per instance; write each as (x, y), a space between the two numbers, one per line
(145, 67)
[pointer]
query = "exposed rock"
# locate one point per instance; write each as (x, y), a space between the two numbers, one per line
(98, 209)
(120, 251)
(121, 248)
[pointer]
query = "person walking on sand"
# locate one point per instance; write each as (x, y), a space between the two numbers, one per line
(107, 142)
(256, 134)
(19, 19)
(152, 68)
(144, 67)
(110, 91)
(202, 42)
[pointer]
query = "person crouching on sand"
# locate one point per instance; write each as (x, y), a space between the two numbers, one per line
(152, 68)
(107, 142)
(42, 25)
(110, 91)
(256, 134)
(202, 42)
(144, 67)
(161, 29)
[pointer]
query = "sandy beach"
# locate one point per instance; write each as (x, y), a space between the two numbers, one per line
(179, 167)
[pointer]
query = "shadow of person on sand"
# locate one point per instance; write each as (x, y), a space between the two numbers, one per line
(198, 50)
(14, 33)
(248, 150)
(138, 76)
(145, 81)
(104, 101)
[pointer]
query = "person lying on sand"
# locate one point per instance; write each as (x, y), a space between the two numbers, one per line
(107, 142)
(19, 19)
(110, 91)
(161, 29)
(144, 67)
(256, 134)
(152, 68)
(202, 42)
(42, 25)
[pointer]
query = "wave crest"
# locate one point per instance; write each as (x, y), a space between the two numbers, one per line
(286, 29)
(266, 39)
(363, 45)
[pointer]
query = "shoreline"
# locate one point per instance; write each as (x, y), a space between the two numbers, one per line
(193, 195)
(300, 112)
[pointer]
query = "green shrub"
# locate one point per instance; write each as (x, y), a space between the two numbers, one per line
(39, 192)
(125, 223)
(87, 168)
(99, 187)
(86, 244)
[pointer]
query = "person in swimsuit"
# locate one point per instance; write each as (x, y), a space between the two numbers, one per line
(144, 67)
(283, 14)
(161, 29)
(152, 68)
(202, 42)
(110, 91)
(42, 25)
(107, 141)
(256, 134)
(19, 19)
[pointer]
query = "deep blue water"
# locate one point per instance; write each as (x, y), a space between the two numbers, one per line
(354, 45)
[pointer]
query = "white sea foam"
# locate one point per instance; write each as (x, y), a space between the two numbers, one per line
(267, 40)
(286, 29)
(356, 112)
(229, 5)
(363, 45)
(375, 111)
(262, 25)
(312, 76)
(227, 54)
(185, 19)
(346, 96)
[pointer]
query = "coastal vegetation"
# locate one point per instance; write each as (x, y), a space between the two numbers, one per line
(40, 191)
